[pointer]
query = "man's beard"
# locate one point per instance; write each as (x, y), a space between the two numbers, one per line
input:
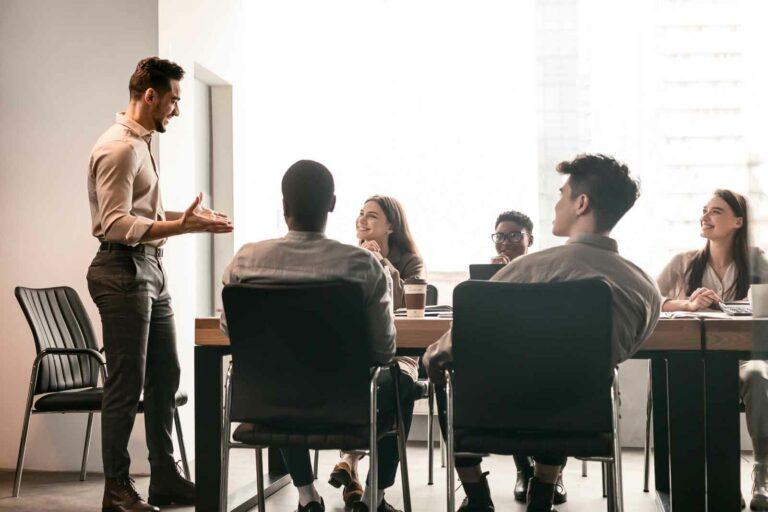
(159, 126)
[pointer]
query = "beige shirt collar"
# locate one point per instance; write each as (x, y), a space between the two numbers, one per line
(599, 241)
(121, 118)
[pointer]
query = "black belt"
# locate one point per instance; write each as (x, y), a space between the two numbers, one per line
(149, 250)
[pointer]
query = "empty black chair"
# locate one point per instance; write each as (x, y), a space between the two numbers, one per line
(301, 375)
(532, 374)
(67, 367)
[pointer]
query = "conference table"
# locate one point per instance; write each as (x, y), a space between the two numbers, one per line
(694, 365)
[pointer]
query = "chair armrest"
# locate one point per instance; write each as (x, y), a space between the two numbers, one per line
(69, 352)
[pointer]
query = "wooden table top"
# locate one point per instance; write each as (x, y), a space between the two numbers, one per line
(741, 333)
(419, 333)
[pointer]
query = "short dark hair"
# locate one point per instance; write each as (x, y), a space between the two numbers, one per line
(155, 73)
(612, 191)
(308, 191)
(518, 218)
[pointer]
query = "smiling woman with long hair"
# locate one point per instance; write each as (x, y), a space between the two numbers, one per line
(382, 229)
(722, 271)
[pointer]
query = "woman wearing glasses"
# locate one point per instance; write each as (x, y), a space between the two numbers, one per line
(722, 271)
(382, 229)
(513, 236)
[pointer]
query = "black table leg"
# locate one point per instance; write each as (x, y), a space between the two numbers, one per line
(275, 463)
(687, 446)
(723, 432)
(208, 418)
(660, 428)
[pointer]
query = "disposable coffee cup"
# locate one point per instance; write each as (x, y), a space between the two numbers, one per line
(758, 299)
(415, 297)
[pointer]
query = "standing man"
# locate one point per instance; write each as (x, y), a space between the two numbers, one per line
(128, 284)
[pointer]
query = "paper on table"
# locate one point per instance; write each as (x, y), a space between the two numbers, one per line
(694, 314)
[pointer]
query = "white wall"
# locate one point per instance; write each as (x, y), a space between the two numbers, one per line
(65, 70)
(204, 35)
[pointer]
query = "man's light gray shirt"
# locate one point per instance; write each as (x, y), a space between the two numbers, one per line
(303, 256)
(636, 298)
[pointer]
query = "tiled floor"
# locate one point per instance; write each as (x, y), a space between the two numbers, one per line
(63, 492)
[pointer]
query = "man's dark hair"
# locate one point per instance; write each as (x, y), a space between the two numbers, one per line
(519, 218)
(308, 192)
(155, 73)
(612, 191)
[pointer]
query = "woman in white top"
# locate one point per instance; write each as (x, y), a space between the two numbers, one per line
(722, 271)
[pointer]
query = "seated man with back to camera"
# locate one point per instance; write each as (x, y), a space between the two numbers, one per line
(597, 193)
(306, 255)
(512, 238)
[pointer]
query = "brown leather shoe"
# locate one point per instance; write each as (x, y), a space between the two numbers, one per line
(120, 496)
(352, 492)
(167, 486)
(342, 475)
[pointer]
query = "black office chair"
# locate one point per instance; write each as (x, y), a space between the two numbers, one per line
(300, 376)
(532, 373)
(67, 367)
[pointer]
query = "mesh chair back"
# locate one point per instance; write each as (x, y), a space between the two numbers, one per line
(300, 354)
(533, 357)
(58, 319)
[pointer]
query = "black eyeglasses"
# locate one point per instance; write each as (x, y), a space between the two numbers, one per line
(514, 237)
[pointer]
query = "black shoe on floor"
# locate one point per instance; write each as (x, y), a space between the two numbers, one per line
(359, 506)
(524, 474)
(478, 496)
(167, 486)
(540, 496)
(561, 495)
(312, 506)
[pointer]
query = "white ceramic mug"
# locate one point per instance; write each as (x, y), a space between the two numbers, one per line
(758, 299)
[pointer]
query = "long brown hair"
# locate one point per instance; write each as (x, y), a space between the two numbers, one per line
(400, 236)
(695, 271)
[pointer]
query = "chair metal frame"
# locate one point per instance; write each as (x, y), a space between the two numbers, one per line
(432, 290)
(227, 444)
(29, 411)
(613, 463)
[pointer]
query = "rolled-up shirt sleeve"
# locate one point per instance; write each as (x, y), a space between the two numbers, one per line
(115, 165)
(671, 280)
(379, 312)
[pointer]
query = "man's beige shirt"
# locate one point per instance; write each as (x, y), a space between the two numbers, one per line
(636, 298)
(123, 184)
